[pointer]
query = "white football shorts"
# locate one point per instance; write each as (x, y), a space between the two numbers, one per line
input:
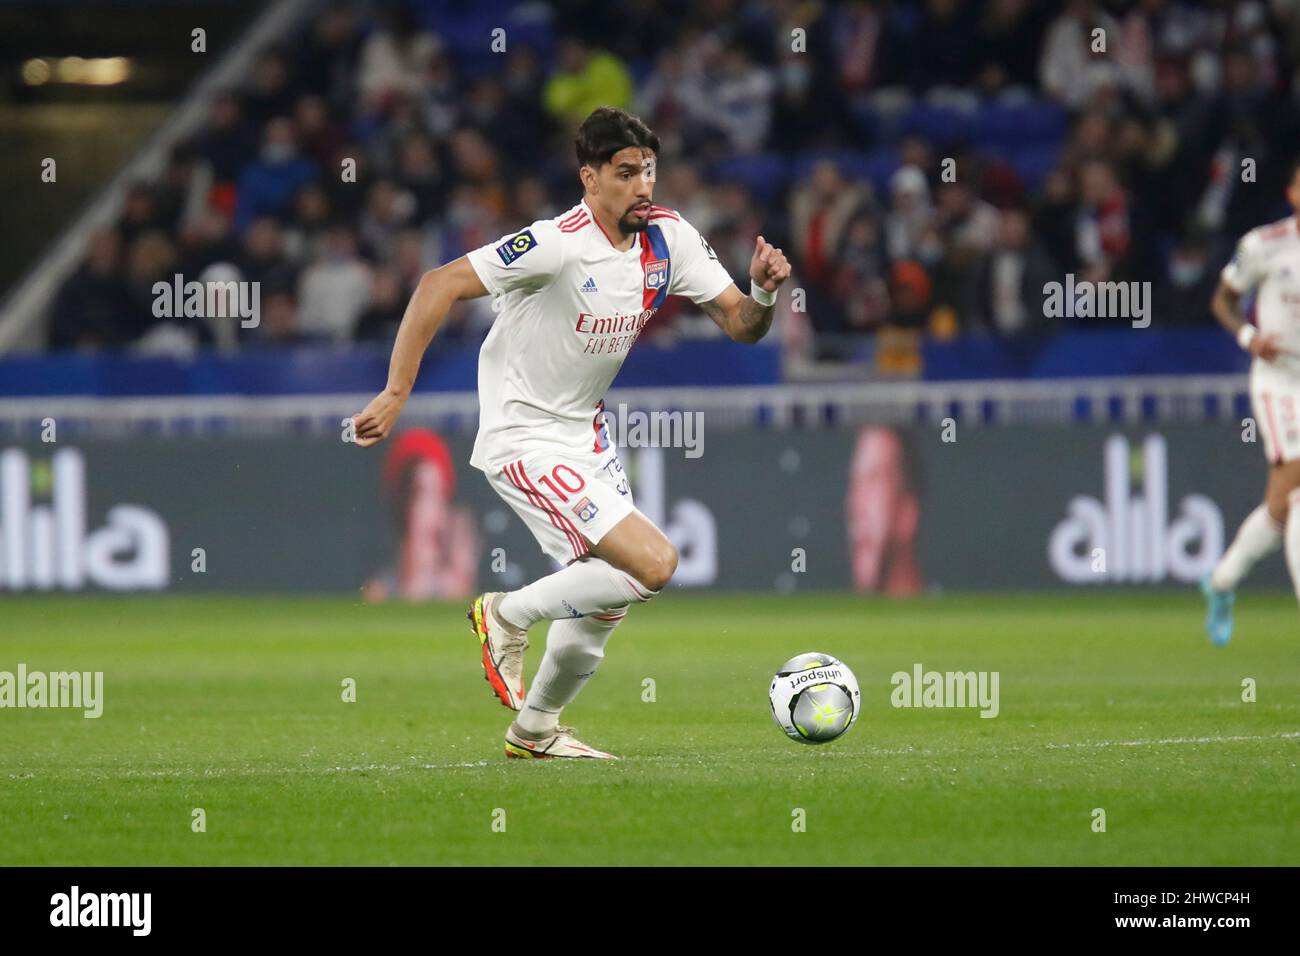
(569, 503)
(1275, 400)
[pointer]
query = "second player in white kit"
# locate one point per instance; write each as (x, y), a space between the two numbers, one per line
(572, 295)
(1267, 266)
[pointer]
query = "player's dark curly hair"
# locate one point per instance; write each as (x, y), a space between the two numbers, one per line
(609, 129)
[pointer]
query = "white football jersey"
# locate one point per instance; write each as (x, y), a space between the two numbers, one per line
(1268, 260)
(569, 307)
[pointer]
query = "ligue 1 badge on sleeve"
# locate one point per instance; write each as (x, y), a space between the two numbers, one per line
(516, 246)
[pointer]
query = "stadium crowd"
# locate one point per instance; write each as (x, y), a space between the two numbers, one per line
(928, 166)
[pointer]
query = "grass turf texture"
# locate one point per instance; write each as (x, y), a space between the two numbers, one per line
(234, 705)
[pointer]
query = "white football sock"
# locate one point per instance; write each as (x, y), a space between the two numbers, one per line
(1258, 537)
(574, 649)
(1293, 539)
(585, 586)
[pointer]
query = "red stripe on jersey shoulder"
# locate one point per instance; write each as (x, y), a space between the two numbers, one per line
(576, 224)
(570, 216)
(1277, 230)
(663, 211)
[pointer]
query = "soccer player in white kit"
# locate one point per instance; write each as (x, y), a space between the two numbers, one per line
(572, 294)
(1267, 262)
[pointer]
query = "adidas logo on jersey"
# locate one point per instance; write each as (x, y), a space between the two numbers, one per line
(589, 285)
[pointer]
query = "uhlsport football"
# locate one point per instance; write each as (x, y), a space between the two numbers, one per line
(814, 698)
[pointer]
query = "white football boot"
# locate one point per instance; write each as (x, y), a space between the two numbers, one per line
(503, 650)
(559, 743)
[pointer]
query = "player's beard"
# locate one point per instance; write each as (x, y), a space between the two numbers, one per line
(629, 223)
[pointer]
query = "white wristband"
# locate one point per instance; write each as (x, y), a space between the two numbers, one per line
(761, 295)
(1245, 335)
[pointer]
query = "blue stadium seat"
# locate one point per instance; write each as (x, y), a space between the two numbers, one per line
(765, 174)
(867, 120)
(852, 163)
(1033, 163)
(881, 165)
(1021, 124)
(938, 124)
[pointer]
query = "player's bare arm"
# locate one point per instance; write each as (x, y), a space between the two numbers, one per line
(742, 317)
(1226, 306)
(433, 298)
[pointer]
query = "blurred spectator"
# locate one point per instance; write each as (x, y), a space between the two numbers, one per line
(530, 202)
(857, 36)
(522, 79)
(476, 164)
(735, 224)
(326, 59)
(440, 97)
(487, 111)
(263, 259)
(807, 109)
(1004, 294)
(267, 185)
(316, 133)
(1192, 280)
(1009, 36)
(584, 80)
(227, 142)
(682, 190)
(209, 239)
(1074, 64)
(420, 174)
(909, 295)
(819, 212)
(388, 295)
(410, 258)
(272, 91)
(348, 196)
(1102, 237)
(1053, 221)
(91, 307)
(942, 54)
(395, 58)
(910, 223)
(739, 105)
(859, 279)
(335, 289)
(279, 321)
(139, 212)
(181, 196)
(304, 233)
(968, 224)
(150, 258)
(388, 211)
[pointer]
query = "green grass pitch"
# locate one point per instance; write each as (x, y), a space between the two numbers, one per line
(1112, 701)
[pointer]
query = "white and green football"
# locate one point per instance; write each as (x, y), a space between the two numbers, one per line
(814, 698)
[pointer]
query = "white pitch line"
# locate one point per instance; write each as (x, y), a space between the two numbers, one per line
(260, 771)
(875, 751)
(1226, 739)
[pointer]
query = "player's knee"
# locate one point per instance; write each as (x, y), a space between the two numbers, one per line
(659, 567)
